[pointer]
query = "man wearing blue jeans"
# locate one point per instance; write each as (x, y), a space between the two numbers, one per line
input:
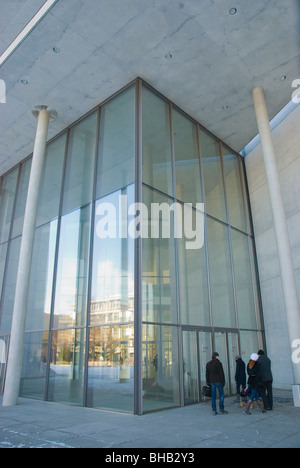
(216, 381)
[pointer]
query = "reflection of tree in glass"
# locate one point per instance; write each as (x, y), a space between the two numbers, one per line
(110, 348)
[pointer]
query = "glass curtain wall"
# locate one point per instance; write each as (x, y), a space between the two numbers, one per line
(186, 293)
(85, 327)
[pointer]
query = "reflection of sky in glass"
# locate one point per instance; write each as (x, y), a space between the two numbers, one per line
(66, 276)
(51, 256)
(71, 284)
(113, 259)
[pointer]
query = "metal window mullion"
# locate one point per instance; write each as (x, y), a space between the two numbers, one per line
(138, 401)
(229, 238)
(177, 266)
(246, 195)
(205, 232)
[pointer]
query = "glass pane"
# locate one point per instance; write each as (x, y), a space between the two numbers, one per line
(256, 285)
(188, 182)
(78, 184)
(220, 275)
(3, 251)
(221, 348)
(234, 191)
(21, 199)
(66, 382)
(159, 272)
(72, 273)
(190, 367)
(246, 197)
(110, 373)
(193, 287)
(34, 366)
(249, 344)
(243, 279)
(160, 367)
(41, 279)
(9, 285)
(112, 298)
(7, 196)
(117, 144)
(157, 160)
(205, 351)
(233, 351)
(213, 179)
(50, 188)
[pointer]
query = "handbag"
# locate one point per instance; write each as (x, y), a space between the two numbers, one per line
(206, 391)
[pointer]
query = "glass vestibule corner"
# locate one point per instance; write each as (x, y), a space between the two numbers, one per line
(106, 307)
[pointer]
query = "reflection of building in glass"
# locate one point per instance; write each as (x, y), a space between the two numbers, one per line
(122, 323)
(112, 310)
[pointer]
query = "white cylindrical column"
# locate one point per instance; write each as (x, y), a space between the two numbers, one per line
(15, 357)
(292, 309)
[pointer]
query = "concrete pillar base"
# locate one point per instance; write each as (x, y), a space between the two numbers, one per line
(296, 395)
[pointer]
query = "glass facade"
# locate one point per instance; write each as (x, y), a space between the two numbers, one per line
(124, 306)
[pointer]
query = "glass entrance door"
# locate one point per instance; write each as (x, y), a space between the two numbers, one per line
(197, 351)
(227, 345)
(205, 350)
(233, 351)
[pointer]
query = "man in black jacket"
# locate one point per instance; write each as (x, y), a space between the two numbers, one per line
(215, 379)
(266, 379)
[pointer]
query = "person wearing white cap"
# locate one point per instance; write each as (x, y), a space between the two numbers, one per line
(253, 383)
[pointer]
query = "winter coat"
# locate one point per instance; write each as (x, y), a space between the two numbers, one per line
(215, 372)
(240, 375)
(264, 369)
(252, 370)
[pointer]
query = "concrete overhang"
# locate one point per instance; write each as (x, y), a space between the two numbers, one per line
(193, 51)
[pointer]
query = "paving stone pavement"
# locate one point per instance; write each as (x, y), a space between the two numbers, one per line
(37, 424)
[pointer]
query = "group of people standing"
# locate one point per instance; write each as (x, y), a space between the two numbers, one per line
(260, 381)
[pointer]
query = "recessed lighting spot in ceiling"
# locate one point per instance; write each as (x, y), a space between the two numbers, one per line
(283, 78)
(56, 50)
(168, 56)
(43, 11)
(25, 82)
(225, 107)
(233, 11)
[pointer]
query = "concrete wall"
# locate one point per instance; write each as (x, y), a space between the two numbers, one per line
(287, 146)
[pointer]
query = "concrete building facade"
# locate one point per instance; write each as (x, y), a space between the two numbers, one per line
(286, 142)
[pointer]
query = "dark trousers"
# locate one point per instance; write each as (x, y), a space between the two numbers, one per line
(238, 387)
(267, 394)
(214, 387)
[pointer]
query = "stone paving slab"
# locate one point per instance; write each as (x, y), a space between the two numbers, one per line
(37, 424)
